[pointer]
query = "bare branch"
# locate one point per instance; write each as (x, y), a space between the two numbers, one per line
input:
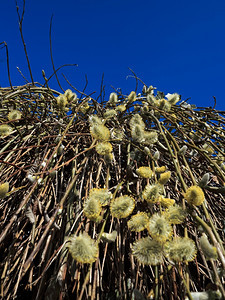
(7, 57)
(65, 65)
(20, 18)
(22, 74)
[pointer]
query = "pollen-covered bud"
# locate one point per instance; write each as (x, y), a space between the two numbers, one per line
(137, 133)
(84, 108)
(103, 195)
(92, 208)
(117, 134)
(175, 214)
(95, 120)
(161, 169)
(166, 202)
(164, 105)
(144, 172)
(144, 89)
(151, 89)
(194, 195)
(173, 117)
(164, 177)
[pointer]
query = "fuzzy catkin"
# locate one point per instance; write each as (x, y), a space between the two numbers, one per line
(209, 251)
(4, 188)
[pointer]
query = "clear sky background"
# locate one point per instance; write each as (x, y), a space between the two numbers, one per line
(175, 45)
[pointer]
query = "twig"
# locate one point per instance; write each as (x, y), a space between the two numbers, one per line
(7, 57)
(20, 18)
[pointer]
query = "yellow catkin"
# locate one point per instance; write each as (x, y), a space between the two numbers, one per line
(160, 169)
(136, 120)
(14, 115)
(122, 206)
(103, 195)
(138, 222)
(61, 102)
(84, 108)
(194, 195)
(144, 172)
(117, 134)
(5, 130)
(173, 98)
(150, 137)
(92, 208)
(164, 177)
(180, 249)
(100, 132)
(113, 99)
(109, 113)
(166, 202)
(164, 105)
(109, 237)
(132, 97)
(159, 228)
(70, 96)
(175, 214)
(173, 117)
(4, 188)
(103, 148)
(121, 108)
(148, 251)
(151, 193)
(137, 133)
(83, 248)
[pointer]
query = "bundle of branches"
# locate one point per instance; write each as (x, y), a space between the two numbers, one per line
(121, 199)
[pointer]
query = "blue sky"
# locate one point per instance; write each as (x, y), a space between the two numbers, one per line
(176, 46)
